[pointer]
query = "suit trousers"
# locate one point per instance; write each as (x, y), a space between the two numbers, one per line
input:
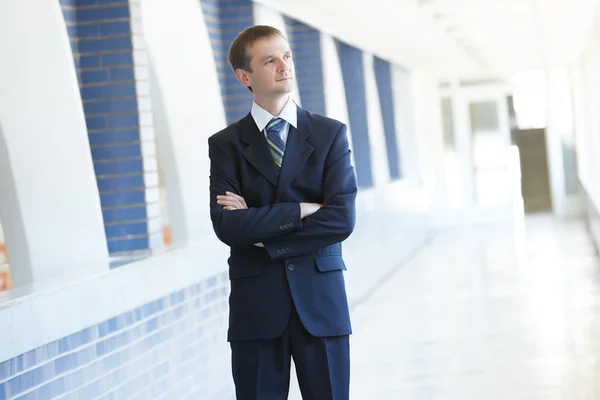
(261, 368)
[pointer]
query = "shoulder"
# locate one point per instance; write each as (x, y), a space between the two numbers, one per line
(324, 123)
(326, 129)
(229, 134)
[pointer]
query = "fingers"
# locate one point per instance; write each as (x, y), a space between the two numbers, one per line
(234, 202)
(228, 201)
(238, 197)
(234, 195)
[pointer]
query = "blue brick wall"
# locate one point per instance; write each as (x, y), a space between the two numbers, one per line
(383, 76)
(173, 346)
(101, 39)
(305, 43)
(351, 60)
(225, 19)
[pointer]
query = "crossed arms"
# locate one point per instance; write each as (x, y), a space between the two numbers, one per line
(284, 229)
(231, 201)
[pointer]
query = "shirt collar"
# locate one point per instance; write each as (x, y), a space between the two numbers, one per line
(262, 117)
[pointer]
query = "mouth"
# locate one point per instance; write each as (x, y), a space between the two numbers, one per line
(289, 78)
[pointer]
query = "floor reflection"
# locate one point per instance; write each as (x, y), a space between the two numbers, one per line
(494, 312)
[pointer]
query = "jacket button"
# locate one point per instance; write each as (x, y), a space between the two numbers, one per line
(281, 227)
(291, 267)
(292, 225)
(278, 251)
(288, 249)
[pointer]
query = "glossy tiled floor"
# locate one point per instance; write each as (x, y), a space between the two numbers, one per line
(490, 313)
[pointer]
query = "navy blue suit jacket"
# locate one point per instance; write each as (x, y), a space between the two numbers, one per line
(302, 258)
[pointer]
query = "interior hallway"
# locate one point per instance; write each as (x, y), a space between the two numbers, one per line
(495, 312)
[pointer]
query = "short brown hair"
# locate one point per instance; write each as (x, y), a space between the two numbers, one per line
(238, 54)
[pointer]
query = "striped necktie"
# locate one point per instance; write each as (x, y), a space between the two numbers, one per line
(276, 144)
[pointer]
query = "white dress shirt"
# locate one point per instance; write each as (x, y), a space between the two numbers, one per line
(289, 114)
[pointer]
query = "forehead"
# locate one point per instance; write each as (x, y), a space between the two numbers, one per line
(267, 46)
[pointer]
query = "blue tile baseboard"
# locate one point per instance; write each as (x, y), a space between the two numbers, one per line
(175, 344)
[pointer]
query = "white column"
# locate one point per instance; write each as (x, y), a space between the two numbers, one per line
(464, 146)
(187, 109)
(582, 103)
(148, 139)
(266, 16)
(430, 140)
(559, 133)
(405, 124)
(50, 206)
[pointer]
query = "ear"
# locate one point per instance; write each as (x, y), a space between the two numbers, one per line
(243, 77)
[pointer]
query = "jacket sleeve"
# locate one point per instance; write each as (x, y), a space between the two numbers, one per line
(249, 226)
(335, 221)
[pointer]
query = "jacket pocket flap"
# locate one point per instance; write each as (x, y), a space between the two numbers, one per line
(330, 263)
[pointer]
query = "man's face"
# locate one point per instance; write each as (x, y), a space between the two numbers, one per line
(272, 67)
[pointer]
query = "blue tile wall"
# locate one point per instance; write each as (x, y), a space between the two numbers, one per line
(383, 76)
(224, 21)
(305, 43)
(351, 60)
(174, 345)
(101, 38)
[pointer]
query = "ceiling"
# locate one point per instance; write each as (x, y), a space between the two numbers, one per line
(465, 39)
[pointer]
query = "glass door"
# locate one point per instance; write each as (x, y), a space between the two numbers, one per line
(489, 145)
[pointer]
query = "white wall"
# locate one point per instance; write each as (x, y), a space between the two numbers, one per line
(50, 207)
(560, 134)
(580, 124)
(586, 92)
(586, 89)
(187, 109)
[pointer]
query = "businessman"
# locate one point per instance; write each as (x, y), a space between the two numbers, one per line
(282, 196)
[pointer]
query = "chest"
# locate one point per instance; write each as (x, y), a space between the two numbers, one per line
(295, 182)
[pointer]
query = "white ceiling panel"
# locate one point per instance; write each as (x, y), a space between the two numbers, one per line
(456, 38)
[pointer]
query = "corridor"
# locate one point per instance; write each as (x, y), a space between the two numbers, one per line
(494, 313)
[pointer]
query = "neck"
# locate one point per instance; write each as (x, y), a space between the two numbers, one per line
(272, 105)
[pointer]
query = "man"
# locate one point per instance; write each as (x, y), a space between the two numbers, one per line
(282, 193)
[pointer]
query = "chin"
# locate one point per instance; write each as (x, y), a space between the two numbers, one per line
(286, 90)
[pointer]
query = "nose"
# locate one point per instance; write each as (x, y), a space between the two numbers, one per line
(283, 65)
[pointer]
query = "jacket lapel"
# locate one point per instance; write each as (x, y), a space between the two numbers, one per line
(297, 151)
(257, 153)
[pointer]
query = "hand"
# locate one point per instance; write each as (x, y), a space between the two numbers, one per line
(232, 201)
(259, 245)
(307, 209)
